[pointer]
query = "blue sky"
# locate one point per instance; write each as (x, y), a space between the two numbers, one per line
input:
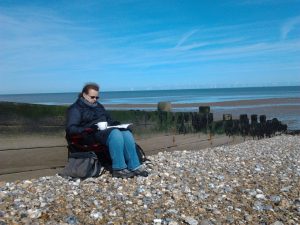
(57, 46)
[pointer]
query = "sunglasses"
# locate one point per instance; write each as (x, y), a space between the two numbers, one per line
(94, 97)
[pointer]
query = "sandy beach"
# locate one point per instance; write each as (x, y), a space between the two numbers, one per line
(254, 102)
(28, 155)
(227, 179)
(285, 109)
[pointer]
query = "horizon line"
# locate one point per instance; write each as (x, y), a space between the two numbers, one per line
(174, 89)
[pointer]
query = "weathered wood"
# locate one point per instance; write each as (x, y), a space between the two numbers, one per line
(164, 106)
(204, 109)
(12, 161)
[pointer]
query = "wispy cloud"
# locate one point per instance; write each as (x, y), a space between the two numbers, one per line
(39, 42)
(185, 37)
(289, 26)
(33, 49)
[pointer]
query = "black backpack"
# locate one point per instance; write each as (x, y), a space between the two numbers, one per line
(82, 165)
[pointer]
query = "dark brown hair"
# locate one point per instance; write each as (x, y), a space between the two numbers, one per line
(87, 87)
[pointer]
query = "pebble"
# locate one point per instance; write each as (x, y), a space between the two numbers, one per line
(260, 196)
(277, 223)
(275, 198)
(34, 213)
(157, 221)
(71, 220)
(254, 182)
(191, 221)
(96, 215)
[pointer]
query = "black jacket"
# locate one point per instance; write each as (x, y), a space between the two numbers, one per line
(82, 115)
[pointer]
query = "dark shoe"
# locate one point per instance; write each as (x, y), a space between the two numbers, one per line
(123, 174)
(140, 172)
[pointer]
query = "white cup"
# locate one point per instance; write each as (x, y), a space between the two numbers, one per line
(102, 125)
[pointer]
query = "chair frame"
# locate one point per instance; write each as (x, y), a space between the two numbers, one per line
(101, 150)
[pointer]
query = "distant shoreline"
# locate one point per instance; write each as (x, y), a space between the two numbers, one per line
(179, 97)
(285, 109)
(253, 102)
(233, 103)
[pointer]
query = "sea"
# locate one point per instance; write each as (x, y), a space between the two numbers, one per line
(291, 117)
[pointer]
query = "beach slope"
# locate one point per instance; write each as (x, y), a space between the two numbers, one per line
(253, 182)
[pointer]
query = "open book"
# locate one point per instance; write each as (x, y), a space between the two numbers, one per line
(124, 126)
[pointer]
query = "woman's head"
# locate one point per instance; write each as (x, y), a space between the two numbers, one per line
(90, 92)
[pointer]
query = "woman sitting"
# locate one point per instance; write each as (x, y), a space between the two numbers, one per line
(82, 117)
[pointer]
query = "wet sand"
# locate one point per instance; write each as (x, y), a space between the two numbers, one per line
(254, 102)
(285, 109)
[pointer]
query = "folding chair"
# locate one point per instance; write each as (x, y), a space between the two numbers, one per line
(75, 144)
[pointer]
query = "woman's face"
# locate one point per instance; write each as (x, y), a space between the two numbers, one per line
(92, 96)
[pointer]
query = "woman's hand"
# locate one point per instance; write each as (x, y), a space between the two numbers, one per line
(91, 129)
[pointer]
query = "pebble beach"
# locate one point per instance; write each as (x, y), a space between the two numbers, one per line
(255, 182)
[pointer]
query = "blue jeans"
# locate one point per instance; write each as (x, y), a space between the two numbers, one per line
(122, 150)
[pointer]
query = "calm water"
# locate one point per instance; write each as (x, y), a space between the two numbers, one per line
(174, 96)
(290, 117)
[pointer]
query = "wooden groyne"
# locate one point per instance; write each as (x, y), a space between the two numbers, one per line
(29, 162)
